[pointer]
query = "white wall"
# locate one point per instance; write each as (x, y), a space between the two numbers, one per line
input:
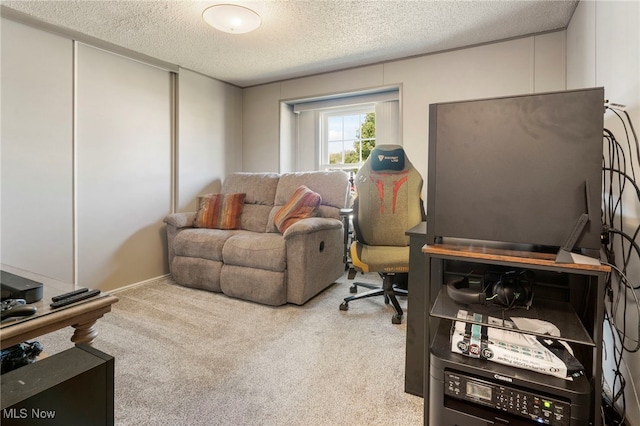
(527, 65)
(90, 156)
(603, 49)
(209, 136)
(260, 147)
(37, 190)
(289, 158)
(123, 168)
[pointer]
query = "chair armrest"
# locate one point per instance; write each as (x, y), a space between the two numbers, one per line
(311, 224)
(180, 220)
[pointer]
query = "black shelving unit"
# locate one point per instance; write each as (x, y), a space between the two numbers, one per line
(579, 317)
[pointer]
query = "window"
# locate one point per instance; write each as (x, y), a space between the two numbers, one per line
(338, 131)
(347, 137)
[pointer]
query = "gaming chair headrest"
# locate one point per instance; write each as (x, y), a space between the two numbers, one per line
(387, 158)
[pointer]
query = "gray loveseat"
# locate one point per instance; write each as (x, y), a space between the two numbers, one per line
(256, 262)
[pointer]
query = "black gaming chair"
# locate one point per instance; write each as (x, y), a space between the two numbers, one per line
(388, 203)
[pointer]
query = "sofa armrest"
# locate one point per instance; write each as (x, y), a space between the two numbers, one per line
(176, 222)
(311, 224)
(180, 220)
(314, 257)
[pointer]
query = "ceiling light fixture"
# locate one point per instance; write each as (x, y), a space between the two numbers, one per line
(231, 18)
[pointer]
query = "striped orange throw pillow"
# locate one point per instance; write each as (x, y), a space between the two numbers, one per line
(220, 211)
(302, 204)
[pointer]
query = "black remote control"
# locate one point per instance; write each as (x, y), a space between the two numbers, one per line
(74, 299)
(19, 311)
(70, 294)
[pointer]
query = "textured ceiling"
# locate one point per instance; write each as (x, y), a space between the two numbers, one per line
(298, 37)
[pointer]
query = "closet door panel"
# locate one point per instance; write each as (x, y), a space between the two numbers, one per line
(36, 151)
(123, 159)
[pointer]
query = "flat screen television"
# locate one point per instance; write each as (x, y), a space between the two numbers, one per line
(517, 170)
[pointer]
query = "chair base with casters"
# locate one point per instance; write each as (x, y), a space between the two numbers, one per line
(389, 290)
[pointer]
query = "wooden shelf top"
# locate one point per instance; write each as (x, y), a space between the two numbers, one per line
(501, 255)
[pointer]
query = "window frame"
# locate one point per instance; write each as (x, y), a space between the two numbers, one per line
(344, 111)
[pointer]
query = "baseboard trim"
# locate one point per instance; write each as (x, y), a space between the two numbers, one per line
(139, 283)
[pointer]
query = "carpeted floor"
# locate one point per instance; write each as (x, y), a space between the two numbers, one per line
(189, 357)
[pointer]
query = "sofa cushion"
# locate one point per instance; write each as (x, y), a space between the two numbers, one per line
(302, 204)
(255, 217)
(333, 187)
(255, 250)
(201, 242)
(220, 211)
(256, 285)
(195, 272)
(260, 189)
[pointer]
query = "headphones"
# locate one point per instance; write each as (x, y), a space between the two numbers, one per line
(513, 289)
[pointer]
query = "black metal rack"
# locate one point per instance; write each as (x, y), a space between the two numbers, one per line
(582, 329)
